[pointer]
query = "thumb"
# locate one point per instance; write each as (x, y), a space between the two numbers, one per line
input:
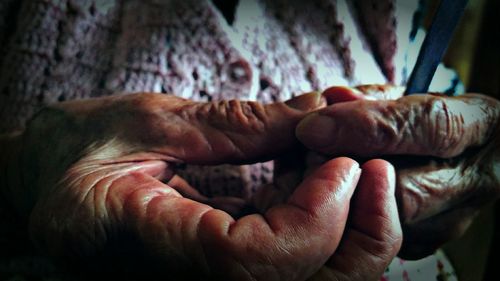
(218, 132)
(373, 236)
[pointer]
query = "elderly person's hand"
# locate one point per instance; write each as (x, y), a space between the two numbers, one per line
(97, 184)
(447, 153)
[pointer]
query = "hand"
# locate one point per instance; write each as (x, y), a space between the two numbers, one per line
(372, 236)
(447, 153)
(373, 233)
(99, 184)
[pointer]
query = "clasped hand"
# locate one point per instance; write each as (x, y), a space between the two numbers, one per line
(100, 181)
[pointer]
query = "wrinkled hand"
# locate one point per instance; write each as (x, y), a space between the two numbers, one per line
(100, 184)
(447, 153)
(373, 235)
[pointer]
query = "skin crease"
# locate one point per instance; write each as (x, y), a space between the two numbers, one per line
(97, 191)
(454, 143)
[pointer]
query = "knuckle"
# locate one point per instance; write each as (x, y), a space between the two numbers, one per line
(390, 237)
(384, 247)
(256, 115)
(444, 126)
(382, 126)
(486, 110)
(246, 116)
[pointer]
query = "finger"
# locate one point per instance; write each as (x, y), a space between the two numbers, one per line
(185, 189)
(418, 125)
(438, 199)
(373, 234)
(206, 133)
(338, 94)
(288, 243)
(427, 190)
(429, 187)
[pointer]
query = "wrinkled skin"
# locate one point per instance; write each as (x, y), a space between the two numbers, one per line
(445, 150)
(99, 187)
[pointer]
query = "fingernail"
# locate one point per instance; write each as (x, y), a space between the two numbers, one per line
(342, 94)
(356, 171)
(306, 102)
(316, 131)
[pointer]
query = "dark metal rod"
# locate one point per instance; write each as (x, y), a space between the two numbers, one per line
(435, 44)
